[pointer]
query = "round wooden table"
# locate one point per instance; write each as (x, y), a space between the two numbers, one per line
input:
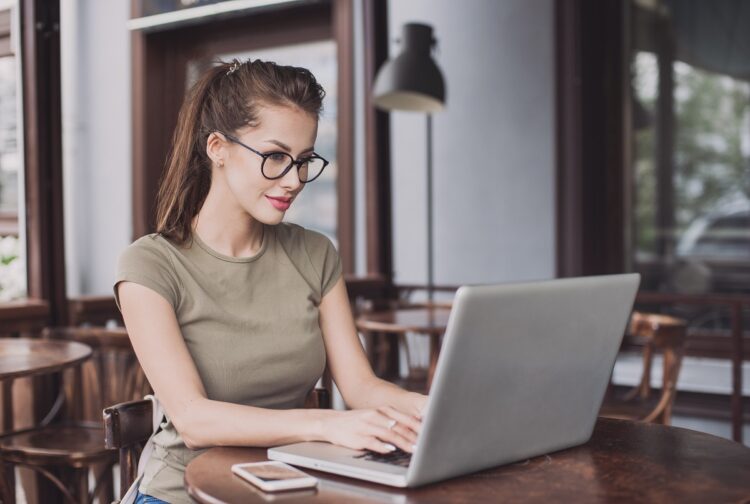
(26, 357)
(623, 461)
(431, 321)
(21, 357)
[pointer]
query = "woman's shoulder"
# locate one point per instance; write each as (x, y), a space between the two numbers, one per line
(150, 248)
(290, 234)
(314, 254)
(148, 262)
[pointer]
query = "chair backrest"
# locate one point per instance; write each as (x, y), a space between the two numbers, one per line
(128, 425)
(112, 375)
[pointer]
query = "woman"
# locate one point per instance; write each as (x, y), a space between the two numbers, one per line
(234, 314)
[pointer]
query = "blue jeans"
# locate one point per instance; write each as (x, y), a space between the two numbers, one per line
(147, 499)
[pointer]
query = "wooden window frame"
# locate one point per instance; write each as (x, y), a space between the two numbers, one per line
(377, 147)
(42, 144)
(592, 144)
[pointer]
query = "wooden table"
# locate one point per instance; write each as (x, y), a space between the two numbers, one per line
(25, 357)
(20, 357)
(623, 462)
(430, 321)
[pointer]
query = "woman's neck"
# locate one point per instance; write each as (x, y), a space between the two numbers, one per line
(227, 228)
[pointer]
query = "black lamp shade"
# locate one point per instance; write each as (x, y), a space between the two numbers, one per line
(412, 80)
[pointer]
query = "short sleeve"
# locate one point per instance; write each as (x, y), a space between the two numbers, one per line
(146, 263)
(325, 259)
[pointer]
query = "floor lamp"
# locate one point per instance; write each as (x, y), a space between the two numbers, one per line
(412, 81)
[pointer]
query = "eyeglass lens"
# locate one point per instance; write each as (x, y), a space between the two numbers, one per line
(276, 164)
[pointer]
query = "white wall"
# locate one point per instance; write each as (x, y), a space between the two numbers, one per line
(96, 141)
(493, 145)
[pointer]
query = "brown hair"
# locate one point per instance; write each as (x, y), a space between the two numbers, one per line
(225, 98)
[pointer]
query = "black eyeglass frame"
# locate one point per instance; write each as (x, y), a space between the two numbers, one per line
(297, 162)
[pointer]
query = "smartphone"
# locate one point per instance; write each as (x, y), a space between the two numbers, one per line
(273, 476)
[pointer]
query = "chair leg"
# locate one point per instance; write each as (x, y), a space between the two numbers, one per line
(56, 480)
(672, 365)
(662, 413)
(81, 482)
(105, 481)
(7, 483)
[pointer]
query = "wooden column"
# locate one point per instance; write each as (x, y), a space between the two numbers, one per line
(665, 131)
(591, 147)
(40, 39)
(343, 30)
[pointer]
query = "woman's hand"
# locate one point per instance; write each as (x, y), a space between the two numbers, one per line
(381, 430)
(413, 404)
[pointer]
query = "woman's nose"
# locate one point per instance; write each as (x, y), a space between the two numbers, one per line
(290, 180)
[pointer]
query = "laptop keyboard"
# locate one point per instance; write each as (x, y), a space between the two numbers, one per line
(397, 457)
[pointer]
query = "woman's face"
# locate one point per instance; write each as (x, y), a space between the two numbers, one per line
(280, 129)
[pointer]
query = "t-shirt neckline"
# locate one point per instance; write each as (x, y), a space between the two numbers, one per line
(223, 257)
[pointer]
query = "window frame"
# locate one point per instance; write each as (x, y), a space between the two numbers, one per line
(42, 154)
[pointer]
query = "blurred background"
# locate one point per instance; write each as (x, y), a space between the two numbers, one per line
(577, 137)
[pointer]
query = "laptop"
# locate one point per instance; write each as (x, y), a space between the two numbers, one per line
(522, 372)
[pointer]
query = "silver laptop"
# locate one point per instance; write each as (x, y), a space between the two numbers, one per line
(522, 372)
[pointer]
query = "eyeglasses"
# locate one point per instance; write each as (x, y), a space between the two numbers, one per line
(277, 164)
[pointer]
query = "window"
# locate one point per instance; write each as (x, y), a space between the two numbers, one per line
(691, 159)
(12, 267)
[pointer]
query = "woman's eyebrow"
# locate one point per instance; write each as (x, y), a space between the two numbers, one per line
(287, 148)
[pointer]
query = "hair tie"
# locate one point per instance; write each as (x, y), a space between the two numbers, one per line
(235, 65)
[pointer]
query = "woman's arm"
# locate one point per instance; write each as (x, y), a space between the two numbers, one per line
(348, 363)
(164, 357)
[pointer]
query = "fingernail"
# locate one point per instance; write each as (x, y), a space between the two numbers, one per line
(389, 447)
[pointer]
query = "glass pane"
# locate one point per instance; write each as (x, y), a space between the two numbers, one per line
(151, 7)
(316, 206)
(9, 158)
(691, 208)
(12, 265)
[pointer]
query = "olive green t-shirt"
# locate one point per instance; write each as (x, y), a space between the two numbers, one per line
(251, 325)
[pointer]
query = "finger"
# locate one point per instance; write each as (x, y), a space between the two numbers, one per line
(394, 438)
(406, 433)
(378, 418)
(407, 420)
(376, 445)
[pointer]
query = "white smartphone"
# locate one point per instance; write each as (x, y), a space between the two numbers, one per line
(273, 476)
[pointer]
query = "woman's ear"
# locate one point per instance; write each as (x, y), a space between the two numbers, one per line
(216, 148)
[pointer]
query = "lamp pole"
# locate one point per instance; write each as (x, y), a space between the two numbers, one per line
(430, 249)
(413, 81)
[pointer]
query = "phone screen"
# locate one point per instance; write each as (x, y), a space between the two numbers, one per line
(273, 472)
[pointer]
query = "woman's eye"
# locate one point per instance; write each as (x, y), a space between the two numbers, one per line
(277, 156)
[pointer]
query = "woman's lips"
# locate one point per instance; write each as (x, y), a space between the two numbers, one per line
(280, 203)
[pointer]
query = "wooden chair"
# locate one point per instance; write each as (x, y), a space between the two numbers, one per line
(383, 344)
(67, 444)
(127, 427)
(113, 374)
(658, 333)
